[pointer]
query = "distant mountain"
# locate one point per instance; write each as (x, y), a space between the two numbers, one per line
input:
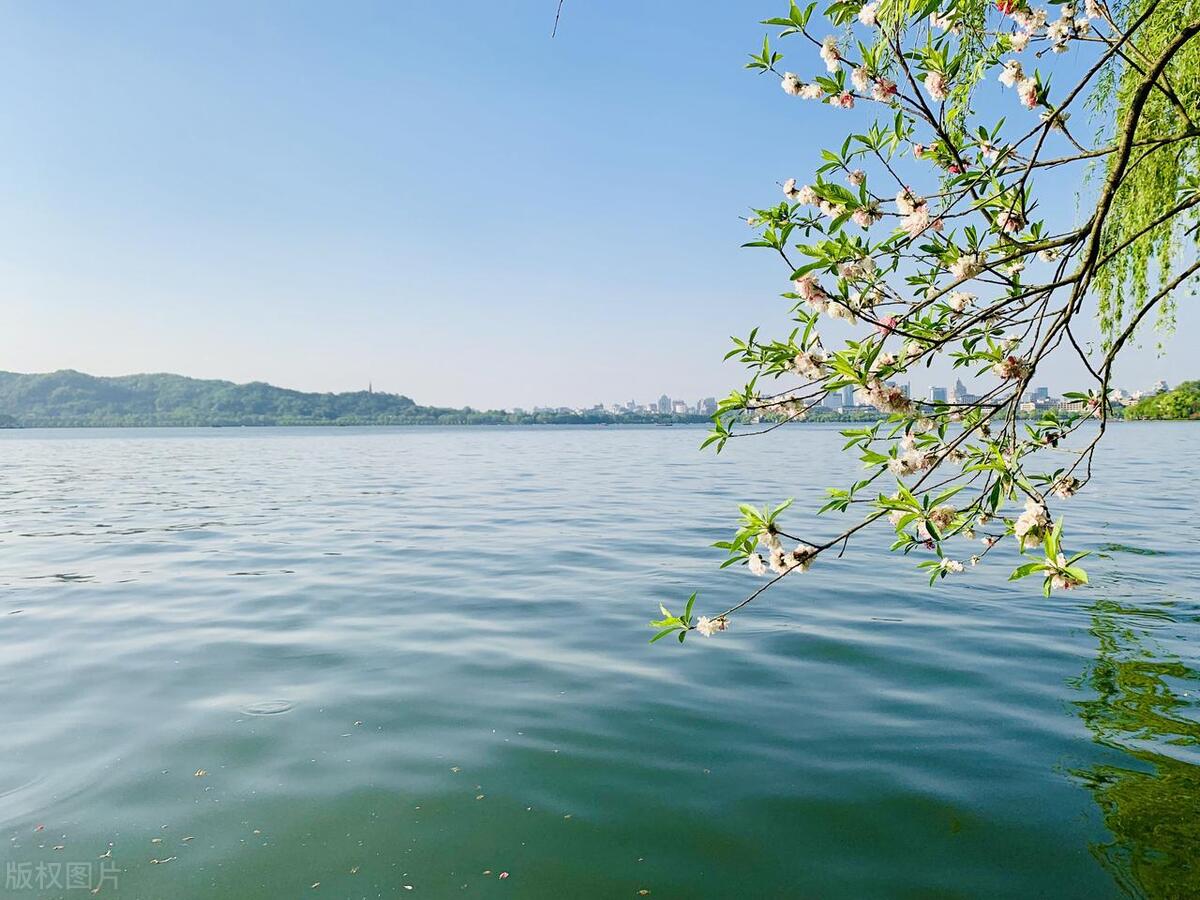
(70, 398)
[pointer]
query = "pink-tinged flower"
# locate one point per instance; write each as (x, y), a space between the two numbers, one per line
(1011, 368)
(918, 150)
(866, 216)
(887, 325)
(861, 79)
(844, 100)
(856, 177)
(1006, 6)
(883, 90)
(954, 169)
(916, 221)
(1027, 91)
(968, 265)
(1010, 222)
(938, 87)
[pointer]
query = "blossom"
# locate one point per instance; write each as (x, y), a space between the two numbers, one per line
(806, 196)
(950, 565)
(829, 53)
(1007, 220)
(918, 150)
(1091, 9)
(886, 398)
(756, 564)
(770, 540)
(844, 100)
(1012, 73)
(942, 516)
(801, 558)
(1011, 367)
(883, 90)
(830, 210)
(1027, 91)
(708, 627)
(791, 84)
(935, 83)
(1019, 41)
(811, 92)
(887, 325)
(1032, 20)
(907, 201)
(1059, 33)
(968, 265)
(858, 269)
(866, 216)
(860, 78)
(916, 221)
(1006, 6)
(789, 189)
(809, 364)
(958, 300)
(988, 151)
(1048, 255)
(943, 22)
(868, 15)
(1031, 522)
(1065, 487)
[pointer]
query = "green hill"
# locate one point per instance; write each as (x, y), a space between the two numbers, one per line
(1181, 403)
(69, 398)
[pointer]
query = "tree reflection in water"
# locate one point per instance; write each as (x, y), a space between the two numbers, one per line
(1147, 705)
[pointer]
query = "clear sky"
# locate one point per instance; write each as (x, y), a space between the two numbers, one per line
(434, 197)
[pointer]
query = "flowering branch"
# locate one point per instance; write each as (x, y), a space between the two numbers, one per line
(967, 270)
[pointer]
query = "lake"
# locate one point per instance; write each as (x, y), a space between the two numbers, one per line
(262, 663)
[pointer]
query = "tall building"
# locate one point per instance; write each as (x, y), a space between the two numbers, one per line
(1042, 393)
(708, 406)
(937, 394)
(848, 395)
(664, 404)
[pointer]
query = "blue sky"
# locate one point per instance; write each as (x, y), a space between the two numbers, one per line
(434, 197)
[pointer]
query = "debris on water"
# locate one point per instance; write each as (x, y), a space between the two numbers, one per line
(359, 722)
(455, 769)
(316, 884)
(107, 854)
(200, 773)
(487, 871)
(156, 840)
(479, 796)
(189, 838)
(503, 874)
(354, 870)
(643, 893)
(567, 816)
(39, 827)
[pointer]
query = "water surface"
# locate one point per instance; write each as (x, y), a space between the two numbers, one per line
(416, 659)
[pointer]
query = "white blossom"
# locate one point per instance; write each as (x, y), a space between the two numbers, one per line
(1012, 72)
(935, 83)
(811, 91)
(868, 15)
(809, 364)
(861, 79)
(829, 53)
(1027, 91)
(756, 564)
(950, 565)
(791, 84)
(968, 265)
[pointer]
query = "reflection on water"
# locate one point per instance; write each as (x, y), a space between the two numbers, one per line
(1146, 706)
